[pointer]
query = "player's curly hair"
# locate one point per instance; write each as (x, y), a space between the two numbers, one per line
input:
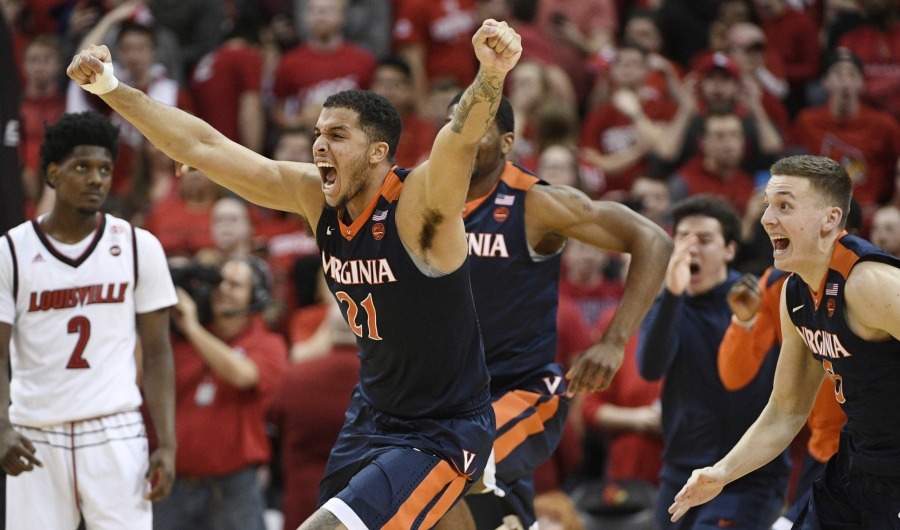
(72, 130)
(377, 116)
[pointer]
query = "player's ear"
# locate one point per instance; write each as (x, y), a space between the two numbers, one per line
(833, 219)
(52, 174)
(378, 152)
(506, 142)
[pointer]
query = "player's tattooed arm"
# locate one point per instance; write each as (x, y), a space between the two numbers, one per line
(487, 87)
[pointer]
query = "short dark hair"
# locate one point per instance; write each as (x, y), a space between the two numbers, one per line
(397, 63)
(72, 130)
(826, 176)
(710, 206)
(505, 119)
(377, 116)
(130, 26)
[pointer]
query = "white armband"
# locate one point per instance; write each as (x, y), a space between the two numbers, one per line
(103, 82)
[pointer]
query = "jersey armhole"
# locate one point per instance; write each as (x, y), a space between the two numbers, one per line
(134, 253)
(15, 267)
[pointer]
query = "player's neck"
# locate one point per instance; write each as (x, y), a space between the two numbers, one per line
(482, 184)
(68, 226)
(373, 182)
(816, 271)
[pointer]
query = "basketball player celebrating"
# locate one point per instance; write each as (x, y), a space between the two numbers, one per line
(517, 226)
(78, 289)
(393, 245)
(840, 315)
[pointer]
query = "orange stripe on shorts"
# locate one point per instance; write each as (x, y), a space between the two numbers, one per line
(444, 482)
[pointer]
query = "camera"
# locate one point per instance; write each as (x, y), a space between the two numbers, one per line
(199, 281)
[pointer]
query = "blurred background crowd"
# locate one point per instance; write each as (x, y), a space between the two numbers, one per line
(646, 102)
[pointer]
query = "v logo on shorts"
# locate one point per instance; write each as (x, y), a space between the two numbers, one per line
(468, 458)
(552, 383)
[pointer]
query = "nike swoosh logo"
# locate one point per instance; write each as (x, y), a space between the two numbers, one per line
(328, 231)
(798, 308)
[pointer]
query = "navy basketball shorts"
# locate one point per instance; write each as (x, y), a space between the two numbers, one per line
(391, 472)
(529, 427)
(847, 497)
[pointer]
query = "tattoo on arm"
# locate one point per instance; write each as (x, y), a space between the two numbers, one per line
(322, 519)
(485, 88)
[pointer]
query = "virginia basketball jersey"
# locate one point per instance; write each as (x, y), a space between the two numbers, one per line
(516, 293)
(866, 372)
(74, 335)
(421, 352)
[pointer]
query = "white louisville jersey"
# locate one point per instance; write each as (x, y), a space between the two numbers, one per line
(74, 319)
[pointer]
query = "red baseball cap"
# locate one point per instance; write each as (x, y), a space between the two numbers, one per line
(720, 61)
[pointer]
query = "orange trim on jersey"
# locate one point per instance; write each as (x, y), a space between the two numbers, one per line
(842, 260)
(517, 178)
(513, 176)
(534, 424)
(390, 190)
(443, 483)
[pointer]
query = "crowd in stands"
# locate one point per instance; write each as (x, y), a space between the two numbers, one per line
(646, 102)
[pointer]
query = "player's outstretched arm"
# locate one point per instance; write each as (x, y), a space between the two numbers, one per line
(288, 186)
(159, 391)
(435, 192)
(798, 377)
(17, 454)
(611, 226)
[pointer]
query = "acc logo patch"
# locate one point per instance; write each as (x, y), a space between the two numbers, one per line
(829, 305)
(115, 250)
(378, 231)
(501, 214)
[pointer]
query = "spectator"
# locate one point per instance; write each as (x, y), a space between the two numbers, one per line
(794, 36)
(619, 135)
(367, 24)
(652, 200)
(42, 104)
(865, 140)
(716, 170)
(226, 85)
(585, 283)
(717, 85)
(886, 229)
(558, 164)
(746, 44)
(226, 371)
(393, 80)
(433, 38)
(877, 43)
(578, 30)
(137, 50)
(232, 232)
(181, 220)
(642, 28)
(322, 66)
(628, 415)
(198, 25)
(679, 340)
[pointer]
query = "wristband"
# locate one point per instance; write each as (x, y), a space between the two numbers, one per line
(745, 324)
(103, 82)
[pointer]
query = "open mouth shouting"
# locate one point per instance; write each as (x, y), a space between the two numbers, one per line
(781, 244)
(328, 174)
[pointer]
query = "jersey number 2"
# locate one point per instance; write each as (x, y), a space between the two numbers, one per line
(838, 381)
(82, 326)
(353, 310)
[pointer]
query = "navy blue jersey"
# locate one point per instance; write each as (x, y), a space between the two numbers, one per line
(421, 353)
(516, 294)
(866, 372)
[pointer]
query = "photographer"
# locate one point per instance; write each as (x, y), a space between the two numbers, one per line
(225, 374)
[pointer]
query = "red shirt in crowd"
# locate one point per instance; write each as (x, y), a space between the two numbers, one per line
(879, 52)
(794, 37)
(445, 29)
(182, 230)
(311, 75)
(220, 79)
(226, 433)
(867, 145)
(735, 186)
